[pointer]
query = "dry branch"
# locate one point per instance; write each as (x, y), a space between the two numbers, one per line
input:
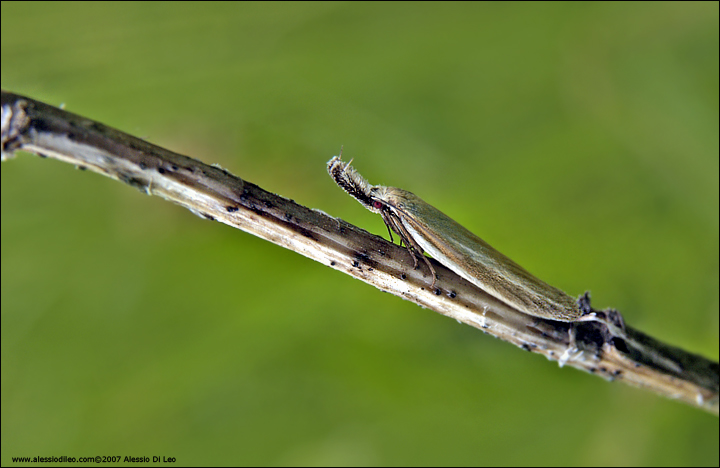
(214, 194)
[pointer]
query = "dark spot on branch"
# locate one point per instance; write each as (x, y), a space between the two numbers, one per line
(97, 126)
(139, 184)
(620, 345)
(135, 146)
(41, 125)
(231, 209)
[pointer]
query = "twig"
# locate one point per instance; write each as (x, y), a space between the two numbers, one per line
(214, 194)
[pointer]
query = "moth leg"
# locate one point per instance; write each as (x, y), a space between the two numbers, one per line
(393, 224)
(393, 221)
(390, 232)
(432, 270)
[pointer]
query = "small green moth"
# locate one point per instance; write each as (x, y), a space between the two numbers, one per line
(424, 228)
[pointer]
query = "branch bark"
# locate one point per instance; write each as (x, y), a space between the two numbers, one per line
(217, 195)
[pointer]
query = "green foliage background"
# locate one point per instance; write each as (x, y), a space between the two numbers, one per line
(581, 139)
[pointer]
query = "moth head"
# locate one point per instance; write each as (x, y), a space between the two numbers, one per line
(379, 197)
(371, 197)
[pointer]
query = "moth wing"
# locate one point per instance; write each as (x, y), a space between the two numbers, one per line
(475, 260)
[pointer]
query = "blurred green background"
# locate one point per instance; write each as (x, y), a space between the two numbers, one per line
(580, 139)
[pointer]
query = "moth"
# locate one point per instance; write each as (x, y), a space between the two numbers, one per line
(424, 228)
